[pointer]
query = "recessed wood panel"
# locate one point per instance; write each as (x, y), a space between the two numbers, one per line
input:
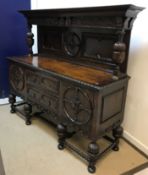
(112, 105)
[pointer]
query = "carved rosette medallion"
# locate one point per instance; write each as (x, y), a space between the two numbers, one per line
(17, 79)
(71, 43)
(77, 105)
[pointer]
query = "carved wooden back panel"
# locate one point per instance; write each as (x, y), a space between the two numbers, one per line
(97, 36)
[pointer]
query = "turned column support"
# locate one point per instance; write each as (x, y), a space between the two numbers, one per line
(28, 111)
(61, 129)
(117, 133)
(93, 151)
(12, 100)
(30, 39)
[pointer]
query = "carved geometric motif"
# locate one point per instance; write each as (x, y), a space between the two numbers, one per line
(71, 43)
(17, 77)
(77, 105)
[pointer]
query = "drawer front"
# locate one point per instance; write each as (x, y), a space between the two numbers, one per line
(33, 95)
(50, 83)
(43, 82)
(48, 102)
(32, 78)
(42, 90)
(51, 103)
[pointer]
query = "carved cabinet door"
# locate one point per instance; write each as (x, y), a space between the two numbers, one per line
(76, 105)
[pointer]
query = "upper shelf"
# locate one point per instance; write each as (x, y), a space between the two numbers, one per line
(103, 16)
(93, 35)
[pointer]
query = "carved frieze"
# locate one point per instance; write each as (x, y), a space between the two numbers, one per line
(97, 21)
(75, 21)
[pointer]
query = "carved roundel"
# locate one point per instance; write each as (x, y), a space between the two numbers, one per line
(17, 77)
(71, 43)
(77, 105)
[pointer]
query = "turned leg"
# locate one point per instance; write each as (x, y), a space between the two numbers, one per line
(117, 133)
(28, 111)
(12, 101)
(61, 129)
(93, 151)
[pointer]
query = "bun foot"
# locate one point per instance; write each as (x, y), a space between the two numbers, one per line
(61, 129)
(91, 169)
(12, 101)
(60, 146)
(28, 122)
(28, 111)
(12, 111)
(116, 148)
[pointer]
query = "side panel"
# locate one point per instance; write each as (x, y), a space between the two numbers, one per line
(111, 106)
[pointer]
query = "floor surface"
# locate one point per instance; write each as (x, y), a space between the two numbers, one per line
(32, 150)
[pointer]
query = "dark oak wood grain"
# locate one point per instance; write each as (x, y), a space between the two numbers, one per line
(78, 79)
(82, 73)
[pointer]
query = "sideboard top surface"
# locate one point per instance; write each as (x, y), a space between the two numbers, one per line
(81, 73)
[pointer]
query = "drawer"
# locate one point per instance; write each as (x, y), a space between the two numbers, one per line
(50, 83)
(48, 102)
(32, 77)
(33, 94)
(51, 103)
(43, 82)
